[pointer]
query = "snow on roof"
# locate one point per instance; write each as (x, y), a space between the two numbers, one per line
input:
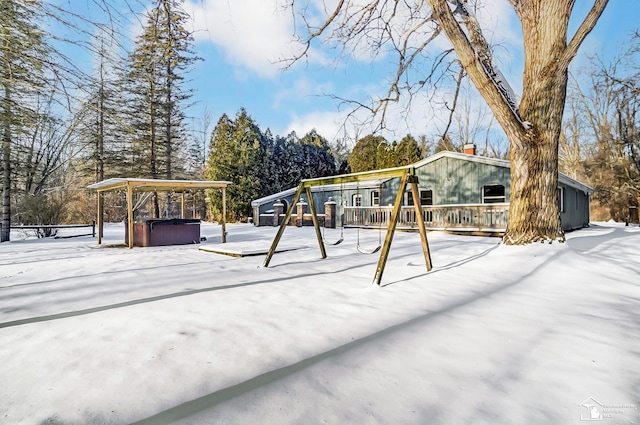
(498, 163)
(155, 184)
(369, 184)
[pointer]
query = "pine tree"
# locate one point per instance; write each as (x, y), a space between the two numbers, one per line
(407, 151)
(159, 61)
(364, 155)
(23, 50)
(235, 155)
(316, 156)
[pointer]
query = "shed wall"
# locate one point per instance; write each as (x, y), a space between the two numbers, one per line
(454, 181)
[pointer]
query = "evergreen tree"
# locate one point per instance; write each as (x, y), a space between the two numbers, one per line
(317, 157)
(407, 151)
(364, 155)
(386, 155)
(23, 51)
(235, 155)
(103, 127)
(162, 56)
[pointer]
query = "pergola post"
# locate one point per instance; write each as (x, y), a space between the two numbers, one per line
(224, 215)
(130, 214)
(100, 215)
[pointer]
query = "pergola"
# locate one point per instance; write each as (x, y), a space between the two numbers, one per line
(132, 185)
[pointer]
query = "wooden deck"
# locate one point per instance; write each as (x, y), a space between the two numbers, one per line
(491, 218)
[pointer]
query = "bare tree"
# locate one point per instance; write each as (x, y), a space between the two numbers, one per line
(532, 126)
(609, 104)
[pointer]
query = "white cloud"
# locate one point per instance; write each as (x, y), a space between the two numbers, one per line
(255, 34)
(422, 116)
(326, 123)
(302, 88)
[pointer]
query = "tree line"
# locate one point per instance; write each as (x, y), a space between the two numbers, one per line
(260, 164)
(62, 127)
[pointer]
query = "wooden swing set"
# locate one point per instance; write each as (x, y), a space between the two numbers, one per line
(407, 177)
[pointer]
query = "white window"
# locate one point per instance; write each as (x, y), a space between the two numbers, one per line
(357, 200)
(375, 198)
(493, 193)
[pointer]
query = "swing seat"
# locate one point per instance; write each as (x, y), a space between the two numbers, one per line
(362, 251)
(338, 242)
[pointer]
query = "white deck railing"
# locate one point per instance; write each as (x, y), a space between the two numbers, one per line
(485, 217)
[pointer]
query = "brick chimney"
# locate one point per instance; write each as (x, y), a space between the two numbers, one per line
(469, 149)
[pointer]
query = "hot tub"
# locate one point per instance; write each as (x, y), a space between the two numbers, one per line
(161, 232)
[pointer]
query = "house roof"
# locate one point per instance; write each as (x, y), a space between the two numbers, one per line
(563, 178)
(369, 184)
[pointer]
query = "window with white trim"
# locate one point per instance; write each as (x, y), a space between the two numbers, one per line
(375, 198)
(561, 199)
(493, 193)
(426, 197)
(357, 200)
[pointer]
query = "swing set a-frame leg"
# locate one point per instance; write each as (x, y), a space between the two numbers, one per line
(382, 262)
(316, 225)
(285, 223)
(421, 228)
(413, 180)
(283, 226)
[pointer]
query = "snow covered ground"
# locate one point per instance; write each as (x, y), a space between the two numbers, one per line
(541, 334)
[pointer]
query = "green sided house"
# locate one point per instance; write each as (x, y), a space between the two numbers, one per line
(458, 191)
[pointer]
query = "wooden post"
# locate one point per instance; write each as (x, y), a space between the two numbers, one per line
(130, 214)
(182, 206)
(382, 262)
(420, 221)
(314, 217)
(283, 225)
(224, 214)
(100, 216)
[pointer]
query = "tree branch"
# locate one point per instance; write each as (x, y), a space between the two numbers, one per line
(585, 28)
(508, 118)
(315, 34)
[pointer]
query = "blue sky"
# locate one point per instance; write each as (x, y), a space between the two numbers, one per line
(241, 42)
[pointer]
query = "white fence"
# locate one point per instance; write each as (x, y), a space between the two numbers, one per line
(484, 217)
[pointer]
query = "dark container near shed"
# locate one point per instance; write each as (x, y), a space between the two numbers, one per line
(162, 232)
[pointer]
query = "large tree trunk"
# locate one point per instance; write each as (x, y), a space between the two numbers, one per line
(533, 209)
(534, 213)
